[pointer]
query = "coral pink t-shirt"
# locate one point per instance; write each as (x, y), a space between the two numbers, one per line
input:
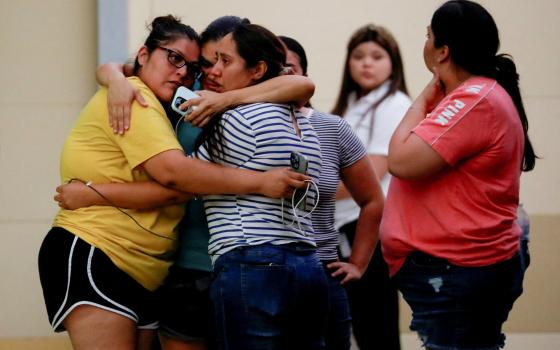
(466, 212)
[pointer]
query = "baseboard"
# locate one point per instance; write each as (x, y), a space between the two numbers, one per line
(61, 342)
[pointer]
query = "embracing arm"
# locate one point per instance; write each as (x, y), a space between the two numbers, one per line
(108, 71)
(120, 94)
(283, 89)
(369, 197)
(172, 169)
(131, 195)
(286, 88)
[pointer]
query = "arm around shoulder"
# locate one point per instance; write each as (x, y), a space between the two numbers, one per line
(282, 89)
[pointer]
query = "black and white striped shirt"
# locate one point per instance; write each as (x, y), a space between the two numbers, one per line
(260, 137)
(340, 148)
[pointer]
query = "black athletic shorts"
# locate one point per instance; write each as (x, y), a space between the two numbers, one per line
(186, 311)
(75, 273)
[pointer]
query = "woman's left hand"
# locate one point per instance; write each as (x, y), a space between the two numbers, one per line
(120, 96)
(432, 94)
(73, 195)
(206, 106)
(350, 271)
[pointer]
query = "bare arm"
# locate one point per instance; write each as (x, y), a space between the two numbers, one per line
(380, 165)
(108, 71)
(199, 176)
(295, 89)
(172, 169)
(410, 157)
(369, 197)
(120, 94)
(132, 195)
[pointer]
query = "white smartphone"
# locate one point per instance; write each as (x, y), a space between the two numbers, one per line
(182, 95)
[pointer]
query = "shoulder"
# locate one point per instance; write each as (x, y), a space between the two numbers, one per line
(322, 118)
(153, 102)
(470, 100)
(391, 111)
(470, 97)
(329, 125)
(261, 107)
(397, 101)
(475, 90)
(144, 89)
(255, 112)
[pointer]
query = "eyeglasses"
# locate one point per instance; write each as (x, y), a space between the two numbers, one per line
(177, 60)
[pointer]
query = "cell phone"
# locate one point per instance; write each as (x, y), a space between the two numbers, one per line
(299, 164)
(182, 95)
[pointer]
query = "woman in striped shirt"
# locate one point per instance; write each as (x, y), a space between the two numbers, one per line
(269, 289)
(343, 157)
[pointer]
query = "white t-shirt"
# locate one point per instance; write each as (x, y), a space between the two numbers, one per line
(375, 138)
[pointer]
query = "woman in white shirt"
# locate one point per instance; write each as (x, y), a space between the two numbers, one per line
(373, 99)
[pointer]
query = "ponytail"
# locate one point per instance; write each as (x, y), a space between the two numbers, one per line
(506, 75)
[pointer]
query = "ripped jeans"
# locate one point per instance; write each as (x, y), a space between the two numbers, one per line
(455, 307)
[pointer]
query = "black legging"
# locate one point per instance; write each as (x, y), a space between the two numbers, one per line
(374, 303)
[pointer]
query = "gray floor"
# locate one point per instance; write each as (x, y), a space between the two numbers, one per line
(515, 341)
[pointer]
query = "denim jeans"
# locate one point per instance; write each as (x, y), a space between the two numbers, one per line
(456, 307)
(525, 225)
(270, 297)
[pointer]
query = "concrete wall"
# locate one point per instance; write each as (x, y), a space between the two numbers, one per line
(47, 68)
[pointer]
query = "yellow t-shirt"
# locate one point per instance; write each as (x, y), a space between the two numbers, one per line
(93, 152)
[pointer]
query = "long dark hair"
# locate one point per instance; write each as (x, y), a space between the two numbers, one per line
(385, 39)
(470, 33)
(163, 30)
(294, 46)
(254, 44)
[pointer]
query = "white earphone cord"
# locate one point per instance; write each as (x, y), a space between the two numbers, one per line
(297, 218)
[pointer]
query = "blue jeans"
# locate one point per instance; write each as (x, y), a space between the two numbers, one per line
(456, 307)
(339, 320)
(525, 225)
(270, 297)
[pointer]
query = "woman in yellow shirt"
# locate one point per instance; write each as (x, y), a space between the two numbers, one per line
(99, 270)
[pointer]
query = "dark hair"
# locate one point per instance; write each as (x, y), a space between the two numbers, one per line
(385, 39)
(470, 33)
(254, 44)
(163, 30)
(221, 27)
(295, 46)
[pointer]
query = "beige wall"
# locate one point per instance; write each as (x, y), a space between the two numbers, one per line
(528, 30)
(47, 64)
